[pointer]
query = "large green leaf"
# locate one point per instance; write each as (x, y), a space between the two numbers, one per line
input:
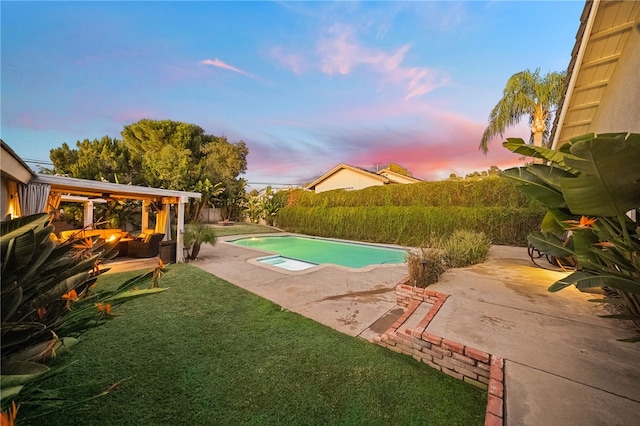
(15, 373)
(609, 182)
(60, 289)
(518, 146)
(620, 283)
(569, 280)
(10, 302)
(549, 244)
(16, 227)
(533, 185)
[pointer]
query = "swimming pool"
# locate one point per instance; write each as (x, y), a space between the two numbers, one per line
(305, 252)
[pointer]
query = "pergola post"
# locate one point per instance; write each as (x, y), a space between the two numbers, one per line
(145, 215)
(88, 213)
(180, 231)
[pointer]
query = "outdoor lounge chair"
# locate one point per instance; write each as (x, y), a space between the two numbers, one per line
(148, 247)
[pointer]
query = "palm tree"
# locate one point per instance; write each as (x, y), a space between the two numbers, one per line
(196, 233)
(526, 93)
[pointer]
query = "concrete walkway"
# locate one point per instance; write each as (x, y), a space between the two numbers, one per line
(563, 363)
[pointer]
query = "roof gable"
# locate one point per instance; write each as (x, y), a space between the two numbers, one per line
(605, 31)
(343, 166)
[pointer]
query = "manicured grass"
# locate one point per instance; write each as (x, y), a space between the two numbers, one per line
(207, 352)
(243, 228)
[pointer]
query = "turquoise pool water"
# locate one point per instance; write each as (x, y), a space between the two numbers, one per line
(318, 251)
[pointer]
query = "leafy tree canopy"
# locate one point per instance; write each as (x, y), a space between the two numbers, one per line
(526, 94)
(397, 168)
(162, 154)
(101, 159)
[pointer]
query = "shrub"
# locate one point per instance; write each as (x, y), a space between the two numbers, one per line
(465, 248)
(460, 249)
(425, 266)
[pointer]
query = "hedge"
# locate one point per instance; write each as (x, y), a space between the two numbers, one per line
(410, 226)
(490, 192)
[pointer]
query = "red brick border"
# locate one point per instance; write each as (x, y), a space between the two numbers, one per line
(466, 363)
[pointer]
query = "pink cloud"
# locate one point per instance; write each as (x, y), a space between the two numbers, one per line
(219, 64)
(342, 53)
(292, 61)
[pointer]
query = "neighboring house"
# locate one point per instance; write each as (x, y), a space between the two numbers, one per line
(344, 176)
(25, 192)
(602, 89)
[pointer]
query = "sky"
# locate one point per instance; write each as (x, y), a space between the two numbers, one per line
(306, 85)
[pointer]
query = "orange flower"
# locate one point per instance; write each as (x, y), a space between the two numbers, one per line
(72, 295)
(42, 311)
(584, 222)
(8, 418)
(104, 308)
(605, 244)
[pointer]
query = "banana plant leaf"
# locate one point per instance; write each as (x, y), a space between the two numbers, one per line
(620, 283)
(549, 244)
(570, 280)
(518, 146)
(533, 185)
(609, 182)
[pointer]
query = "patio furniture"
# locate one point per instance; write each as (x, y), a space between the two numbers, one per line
(148, 247)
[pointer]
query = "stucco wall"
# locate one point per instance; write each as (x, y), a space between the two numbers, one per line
(619, 109)
(347, 179)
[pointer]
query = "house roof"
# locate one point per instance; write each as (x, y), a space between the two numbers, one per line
(13, 166)
(395, 177)
(343, 166)
(604, 30)
(94, 188)
(389, 176)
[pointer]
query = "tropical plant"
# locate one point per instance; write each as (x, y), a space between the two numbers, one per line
(47, 297)
(589, 186)
(196, 233)
(270, 204)
(253, 208)
(526, 93)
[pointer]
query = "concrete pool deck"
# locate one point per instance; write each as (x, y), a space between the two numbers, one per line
(563, 363)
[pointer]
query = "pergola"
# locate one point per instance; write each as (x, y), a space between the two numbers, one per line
(89, 192)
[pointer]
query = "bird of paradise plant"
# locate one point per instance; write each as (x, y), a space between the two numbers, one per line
(47, 297)
(591, 187)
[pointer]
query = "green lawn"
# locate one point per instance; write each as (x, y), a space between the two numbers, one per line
(207, 352)
(243, 228)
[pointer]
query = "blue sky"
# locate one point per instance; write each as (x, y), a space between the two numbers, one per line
(306, 85)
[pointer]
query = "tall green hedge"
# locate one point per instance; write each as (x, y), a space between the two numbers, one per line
(410, 215)
(491, 192)
(410, 225)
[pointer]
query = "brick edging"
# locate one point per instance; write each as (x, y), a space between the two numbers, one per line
(462, 362)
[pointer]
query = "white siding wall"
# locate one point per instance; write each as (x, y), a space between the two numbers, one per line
(347, 179)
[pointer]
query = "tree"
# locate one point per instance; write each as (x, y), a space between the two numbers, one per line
(397, 168)
(101, 159)
(176, 155)
(526, 93)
